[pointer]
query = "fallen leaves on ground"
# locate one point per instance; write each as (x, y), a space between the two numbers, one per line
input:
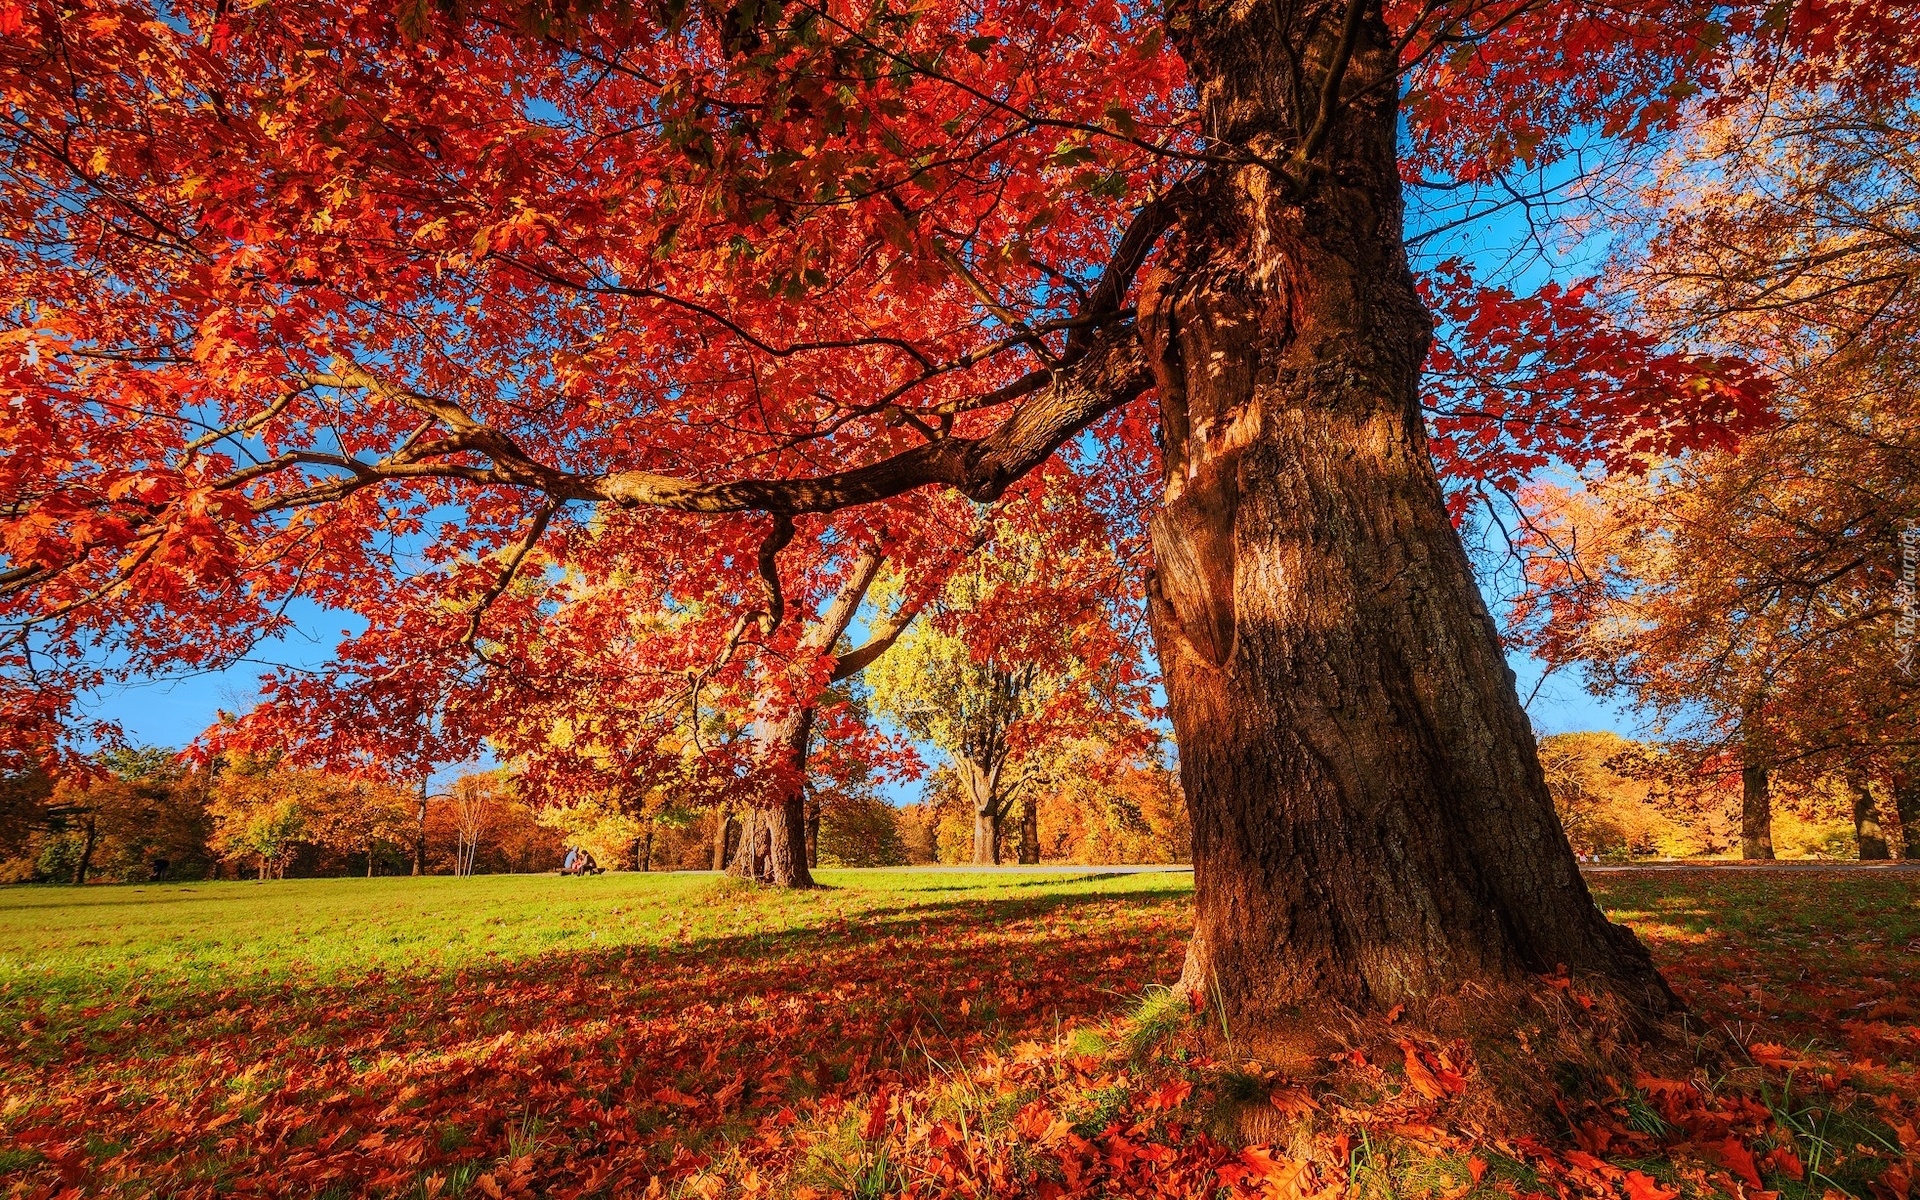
(968, 1049)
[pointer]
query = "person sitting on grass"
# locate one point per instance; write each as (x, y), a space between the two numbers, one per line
(571, 864)
(587, 866)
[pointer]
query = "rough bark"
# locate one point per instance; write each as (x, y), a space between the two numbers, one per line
(1370, 821)
(1868, 835)
(1756, 812)
(773, 840)
(982, 784)
(1029, 828)
(986, 840)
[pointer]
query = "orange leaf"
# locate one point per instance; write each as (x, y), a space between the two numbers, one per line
(678, 1099)
(1641, 1186)
(1772, 1054)
(1280, 1178)
(1171, 1094)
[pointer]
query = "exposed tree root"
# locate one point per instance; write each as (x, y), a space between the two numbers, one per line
(1517, 1059)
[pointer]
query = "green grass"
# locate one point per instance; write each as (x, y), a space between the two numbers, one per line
(67, 944)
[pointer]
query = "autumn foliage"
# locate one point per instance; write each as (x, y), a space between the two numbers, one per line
(274, 308)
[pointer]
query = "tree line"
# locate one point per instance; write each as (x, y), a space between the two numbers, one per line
(142, 815)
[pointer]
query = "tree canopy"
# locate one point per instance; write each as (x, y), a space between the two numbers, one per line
(367, 304)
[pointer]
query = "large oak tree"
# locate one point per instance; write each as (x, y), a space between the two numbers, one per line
(292, 283)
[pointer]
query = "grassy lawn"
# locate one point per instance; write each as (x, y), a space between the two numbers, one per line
(923, 1033)
(82, 945)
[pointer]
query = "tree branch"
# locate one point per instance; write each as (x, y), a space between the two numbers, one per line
(504, 580)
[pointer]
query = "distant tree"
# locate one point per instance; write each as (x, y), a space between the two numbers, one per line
(1010, 656)
(1618, 798)
(475, 801)
(600, 825)
(859, 829)
(510, 837)
(23, 800)
(264, 810)
(134, 813)
(1108, 803)
(916, 826)
(258, 815)
(357, 816)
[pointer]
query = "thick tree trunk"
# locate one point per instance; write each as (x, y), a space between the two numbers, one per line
(981, 784)
(1370, 821)
(813, 832)
(986, 840)
(1029, 828)
(723, 838)
(1867, 833)
(773, 840)
(1756, 812)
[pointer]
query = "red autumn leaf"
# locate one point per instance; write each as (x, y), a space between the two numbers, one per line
(1587, 1162)
(1641, 1186)
(1783, 1161)
(1293, 1100)
(677, 1098)
(876, 1119)
(1733, 1154)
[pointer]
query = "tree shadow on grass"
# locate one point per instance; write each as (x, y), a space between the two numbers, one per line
(1050, 881)
(1783, 958)
(571, 1072)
